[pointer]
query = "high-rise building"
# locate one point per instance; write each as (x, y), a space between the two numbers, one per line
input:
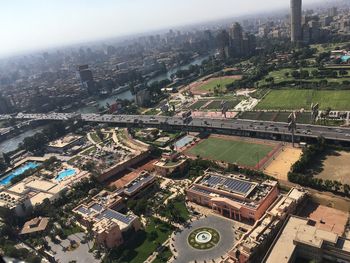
(236, 39)
(333, 11)
(87, 79)
(296, 29)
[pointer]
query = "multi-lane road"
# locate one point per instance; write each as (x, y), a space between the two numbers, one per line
(232, 125)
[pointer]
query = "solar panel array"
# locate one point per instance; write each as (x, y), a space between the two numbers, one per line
(99, 213)
(83, 210)
(136, 185)
(111, 214)
(232, 184)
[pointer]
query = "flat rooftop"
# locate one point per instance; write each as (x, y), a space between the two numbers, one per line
(97, 212)
(326, 218)
(35, 225)
(233, 185)
(284, 247)
(63, 142)
(140, 182)
(299, 231)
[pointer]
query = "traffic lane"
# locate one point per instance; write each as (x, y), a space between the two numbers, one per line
(335, 132)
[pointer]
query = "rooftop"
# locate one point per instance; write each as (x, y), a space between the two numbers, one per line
(37, 224)
(141, 181)
(299, 231)
(96, 213)
(326, 218)
(63, 142)
(233, 187)
(284, 247)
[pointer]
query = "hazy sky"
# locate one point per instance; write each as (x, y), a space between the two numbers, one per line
(34, 24)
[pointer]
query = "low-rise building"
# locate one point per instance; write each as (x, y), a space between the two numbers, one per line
(34, 226)
(300, 239)
(170, 163)
(23, 196)
(143, 180)
(64, 144)
(253, 244)
(107, 224)
(233, 196)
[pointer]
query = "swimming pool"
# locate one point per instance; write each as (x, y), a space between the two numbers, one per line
(65, 173)
(17, 172)
(184, 140)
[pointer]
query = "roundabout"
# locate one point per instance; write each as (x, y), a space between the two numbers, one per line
(205, 239)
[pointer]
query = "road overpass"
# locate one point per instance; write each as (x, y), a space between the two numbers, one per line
(240, 127)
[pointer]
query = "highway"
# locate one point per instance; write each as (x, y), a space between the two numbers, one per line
(233, 125)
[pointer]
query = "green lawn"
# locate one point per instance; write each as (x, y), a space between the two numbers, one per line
(178, 207)
(140, 246)
(95, 138)
(230, 151)
(274, 116)
(211, 84)
(216, 104)
(296, 99)
(198, 104)
(163, 256)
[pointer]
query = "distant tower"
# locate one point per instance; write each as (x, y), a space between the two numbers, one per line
(86, 78)
(236, 39)
(295, 22)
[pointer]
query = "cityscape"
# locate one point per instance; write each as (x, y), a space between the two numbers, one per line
(179, 132)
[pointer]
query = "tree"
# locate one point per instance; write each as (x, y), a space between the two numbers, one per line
(3, 165)
(6, 158)
(152, 235)
(315, 73)
(343, 72)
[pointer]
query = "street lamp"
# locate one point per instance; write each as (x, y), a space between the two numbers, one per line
(314, 112)
(292, 124)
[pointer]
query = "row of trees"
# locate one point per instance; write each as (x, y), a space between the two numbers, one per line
(305, 74)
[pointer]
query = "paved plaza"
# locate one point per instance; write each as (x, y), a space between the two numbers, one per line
(80, 254)
(185, 253)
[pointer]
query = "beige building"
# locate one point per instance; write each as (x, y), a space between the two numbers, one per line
(107, 224)
(253, 244)
(299, 240)
(36, 225)
(233, 196)
(33, 190)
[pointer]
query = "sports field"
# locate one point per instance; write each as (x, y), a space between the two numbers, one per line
(230, 151)
(220, 83)
(297, 99)
(201, 87)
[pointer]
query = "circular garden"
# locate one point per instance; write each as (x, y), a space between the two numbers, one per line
(203, 238)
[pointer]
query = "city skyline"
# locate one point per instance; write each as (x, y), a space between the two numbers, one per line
(64, 25)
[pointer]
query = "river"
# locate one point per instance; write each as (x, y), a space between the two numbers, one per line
(167, 75)
(12, 144)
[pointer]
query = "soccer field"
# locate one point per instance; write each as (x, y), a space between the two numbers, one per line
(230, 151)
(296, 99)
(211, 84)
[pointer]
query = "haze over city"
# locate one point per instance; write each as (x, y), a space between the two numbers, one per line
(189, 131)
(36, 24)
